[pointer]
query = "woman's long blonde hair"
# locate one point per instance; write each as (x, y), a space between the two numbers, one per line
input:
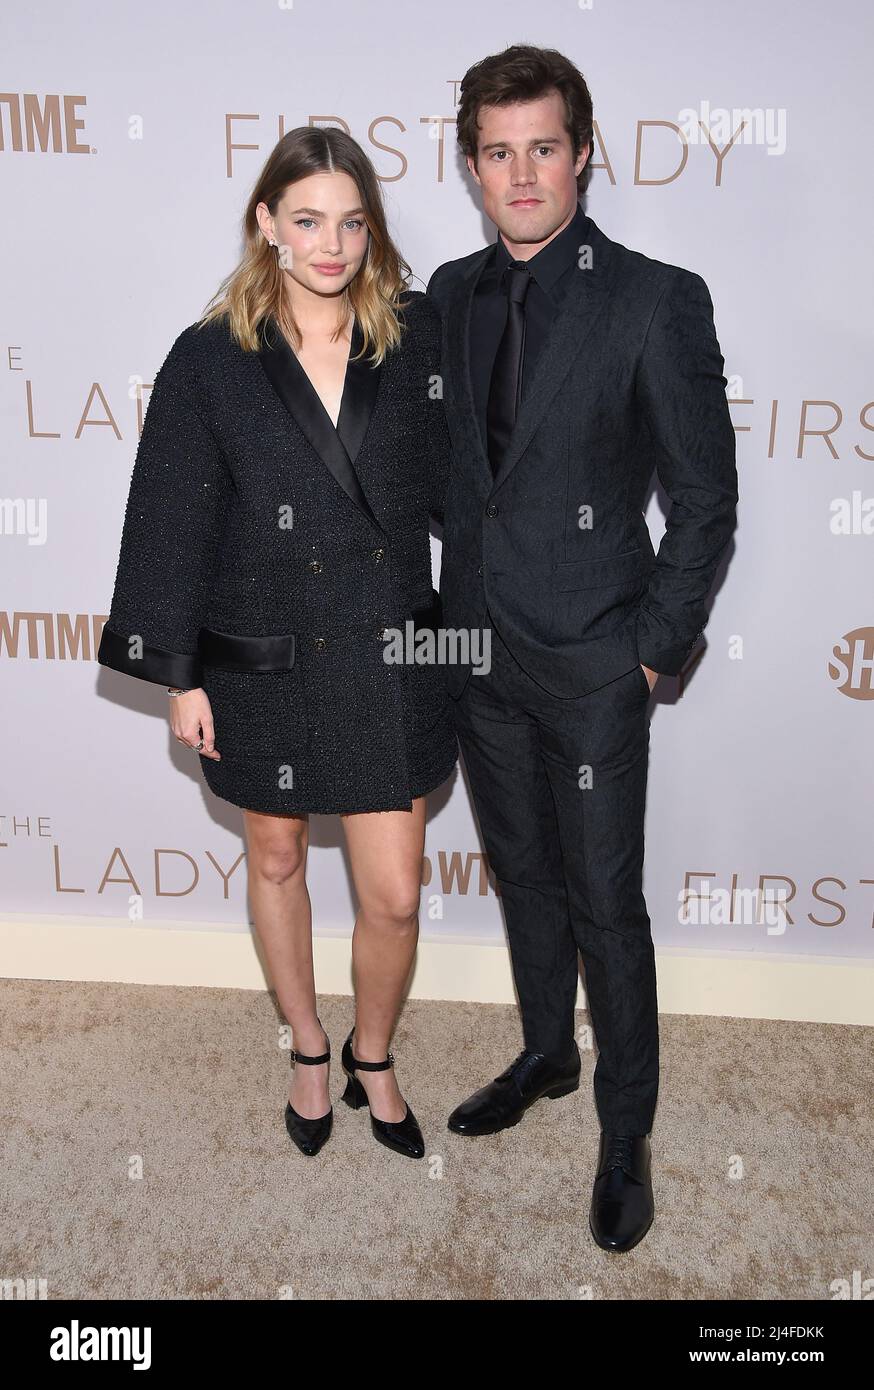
(256, 287)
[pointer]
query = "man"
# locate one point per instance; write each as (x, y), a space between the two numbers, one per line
(573, 367)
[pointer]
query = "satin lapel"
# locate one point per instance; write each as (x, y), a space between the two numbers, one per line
(359, 397)
(585, 301)
(301, 400)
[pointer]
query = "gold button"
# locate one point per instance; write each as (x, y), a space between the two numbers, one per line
(378, 554)
(315, 566)
(320, 643)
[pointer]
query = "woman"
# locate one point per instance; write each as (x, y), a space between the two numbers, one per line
(276, 532)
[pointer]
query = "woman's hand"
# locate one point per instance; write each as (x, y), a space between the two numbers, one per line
(191, 721)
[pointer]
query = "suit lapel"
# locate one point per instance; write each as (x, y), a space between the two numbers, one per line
(582, 306)
(461, 416)
(337, 448)
(584, 302)
(358, 400)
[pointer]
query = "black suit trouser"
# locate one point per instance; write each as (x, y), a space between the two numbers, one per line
(559, 787)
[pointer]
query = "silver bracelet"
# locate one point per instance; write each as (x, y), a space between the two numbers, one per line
(171, 690)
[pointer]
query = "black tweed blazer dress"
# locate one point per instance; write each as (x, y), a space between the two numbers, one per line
(265, 552)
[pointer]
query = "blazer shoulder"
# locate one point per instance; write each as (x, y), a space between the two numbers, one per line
(450, 274)
(195, 346)
(419, 306)
(421, 317)
(660, 275)
(684, 290)
(201, 339)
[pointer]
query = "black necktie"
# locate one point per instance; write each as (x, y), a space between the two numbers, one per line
(505, 388)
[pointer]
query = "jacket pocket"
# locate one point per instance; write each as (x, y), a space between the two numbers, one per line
(257, 714)
(591, 574)
(427, 696)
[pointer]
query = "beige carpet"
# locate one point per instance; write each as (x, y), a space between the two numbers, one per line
(193, 1081)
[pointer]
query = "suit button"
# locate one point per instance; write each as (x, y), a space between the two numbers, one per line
(315, 566)
(380, 632)
(479, 569)
(320, 643)
(378, 554)
(491, 510)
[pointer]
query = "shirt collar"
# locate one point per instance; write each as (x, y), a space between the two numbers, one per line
(555, 258)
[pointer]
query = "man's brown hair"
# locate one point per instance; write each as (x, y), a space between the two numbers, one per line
(525, 73)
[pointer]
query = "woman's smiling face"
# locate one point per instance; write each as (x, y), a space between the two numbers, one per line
(320, 229)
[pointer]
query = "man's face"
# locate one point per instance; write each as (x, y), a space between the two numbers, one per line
(526, 169)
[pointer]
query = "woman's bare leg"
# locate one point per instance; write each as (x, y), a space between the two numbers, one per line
(282, 915)
(385, 849)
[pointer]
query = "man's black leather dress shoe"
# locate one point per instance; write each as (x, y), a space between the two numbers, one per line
(622, 1203)
(504, 1101)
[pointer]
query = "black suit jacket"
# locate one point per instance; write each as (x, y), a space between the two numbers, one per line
(629, 380)
(264, 553)
(251, 518)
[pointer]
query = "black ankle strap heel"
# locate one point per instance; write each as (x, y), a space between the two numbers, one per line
(311, 1061)
(403, 1136)
(309, 1135)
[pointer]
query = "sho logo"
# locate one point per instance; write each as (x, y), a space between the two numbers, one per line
(75, 1343)
(854, 660)
(50, 125)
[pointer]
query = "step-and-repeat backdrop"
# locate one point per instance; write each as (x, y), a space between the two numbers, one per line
(735, 144)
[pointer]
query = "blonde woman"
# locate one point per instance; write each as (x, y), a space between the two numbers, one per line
(276, 533)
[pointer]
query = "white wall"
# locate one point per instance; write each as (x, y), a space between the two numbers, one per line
(763, 764)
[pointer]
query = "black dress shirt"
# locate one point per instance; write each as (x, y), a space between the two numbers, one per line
(551, 269)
